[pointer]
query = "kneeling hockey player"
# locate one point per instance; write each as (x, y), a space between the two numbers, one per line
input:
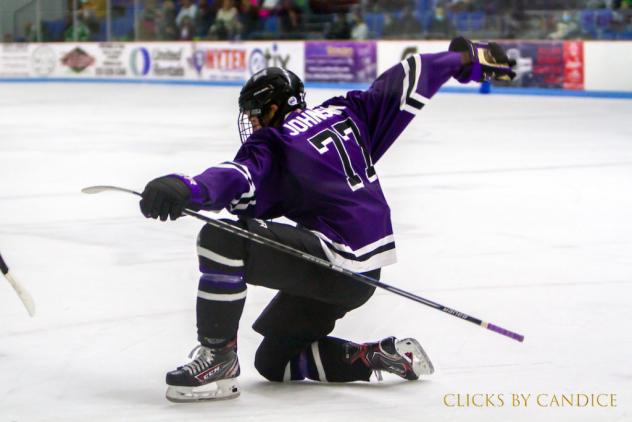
(314, 166)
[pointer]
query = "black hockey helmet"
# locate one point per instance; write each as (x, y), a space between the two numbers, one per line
(272, 85)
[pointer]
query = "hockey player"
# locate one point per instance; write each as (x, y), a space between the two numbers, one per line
(314, 166)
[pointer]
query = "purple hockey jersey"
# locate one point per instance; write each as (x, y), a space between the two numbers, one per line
(318, 168)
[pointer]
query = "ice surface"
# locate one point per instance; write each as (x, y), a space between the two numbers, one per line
(516, 210)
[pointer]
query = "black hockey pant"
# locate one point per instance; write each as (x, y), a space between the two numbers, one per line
(297, 321)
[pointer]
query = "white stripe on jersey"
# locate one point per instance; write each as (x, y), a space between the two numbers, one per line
(239, 203)
(414, 95)
(235, 204)
(239, 167)
(358, 252)
(379, 260)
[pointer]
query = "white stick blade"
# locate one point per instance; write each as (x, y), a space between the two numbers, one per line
(24, 295)
(105, 188)
(95, 189)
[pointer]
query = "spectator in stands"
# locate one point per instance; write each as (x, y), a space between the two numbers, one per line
(408, 26)
(627, 23)
(466, 6)
(187, 29)
(525, 27)
(392, 5)
(596, 4)
(166, 28)
(440, 26)
(119, 7)
(269, 7)
(390, 29)
(226, 24)
(514, 20)
(290, 18)
(76, 30)
(249, 17)
(30, 32)
(497, 7)
(303, 5)
(205, 17)
(188, 9)
(87, 11)
(148, 18)
(566, 28)
(100, 9)
(360, 30)
(339, 29)
(371, 6)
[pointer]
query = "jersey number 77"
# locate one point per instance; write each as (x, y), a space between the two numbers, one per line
(337, 134)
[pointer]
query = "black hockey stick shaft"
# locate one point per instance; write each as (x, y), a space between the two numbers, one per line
(322, 262)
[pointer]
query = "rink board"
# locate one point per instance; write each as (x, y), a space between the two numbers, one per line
(574, 66)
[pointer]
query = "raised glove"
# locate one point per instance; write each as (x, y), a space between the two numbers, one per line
(483, 61)
(166, 196)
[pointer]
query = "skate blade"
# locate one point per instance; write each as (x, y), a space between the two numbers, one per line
(421, 362)
(220, 390)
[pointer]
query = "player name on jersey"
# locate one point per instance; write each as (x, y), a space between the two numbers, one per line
(310, 118)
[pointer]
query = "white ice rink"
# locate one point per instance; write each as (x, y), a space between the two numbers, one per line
(516, 210)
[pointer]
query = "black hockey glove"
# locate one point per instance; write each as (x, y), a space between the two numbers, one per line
(166, 196)
(483, 61)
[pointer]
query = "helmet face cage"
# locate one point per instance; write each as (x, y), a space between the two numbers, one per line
(269, 86)
(244, 125)
(247, 110)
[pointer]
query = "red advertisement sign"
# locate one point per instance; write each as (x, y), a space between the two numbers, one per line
(226, 59)
(573, 65)
(546, 64)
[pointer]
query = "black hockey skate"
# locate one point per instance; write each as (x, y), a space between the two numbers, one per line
(211, 375)
(405, 358)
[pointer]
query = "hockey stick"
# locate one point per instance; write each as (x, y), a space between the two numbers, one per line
(25, 297)
(322, 262)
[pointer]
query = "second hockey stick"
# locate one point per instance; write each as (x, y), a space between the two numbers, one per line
(322, 262)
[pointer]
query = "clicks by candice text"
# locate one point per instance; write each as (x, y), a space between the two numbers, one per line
(530, 400)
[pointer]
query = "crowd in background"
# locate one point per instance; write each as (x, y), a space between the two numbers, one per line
(342, 19)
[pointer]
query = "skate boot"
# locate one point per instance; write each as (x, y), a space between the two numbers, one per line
(211, 375)
(405, 358)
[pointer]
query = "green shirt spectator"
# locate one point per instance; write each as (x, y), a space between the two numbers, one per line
(81, 32)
